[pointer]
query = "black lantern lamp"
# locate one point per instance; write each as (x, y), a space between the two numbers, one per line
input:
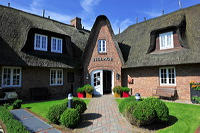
(137, 96)
(117, 76)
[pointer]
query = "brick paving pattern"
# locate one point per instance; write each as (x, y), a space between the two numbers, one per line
(103, 116)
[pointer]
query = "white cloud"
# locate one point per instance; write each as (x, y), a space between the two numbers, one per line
(152, 14)
(121, 24)
(88, 5)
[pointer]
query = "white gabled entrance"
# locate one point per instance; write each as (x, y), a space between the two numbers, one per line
(102, 81)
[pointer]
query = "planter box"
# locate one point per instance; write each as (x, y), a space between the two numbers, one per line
(81, 94)
(116, 95)
(125, 94)
(88, 95)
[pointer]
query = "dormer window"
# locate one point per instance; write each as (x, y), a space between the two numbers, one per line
(102, 46)
(166, 40)
(56, 45)
(40, 42)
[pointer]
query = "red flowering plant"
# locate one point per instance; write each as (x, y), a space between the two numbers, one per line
(195, 86)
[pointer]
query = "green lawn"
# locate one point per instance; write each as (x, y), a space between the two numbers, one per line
(184, 118)
(41, 108)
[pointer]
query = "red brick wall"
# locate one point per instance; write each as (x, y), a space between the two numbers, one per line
(111, 52)
(40, 77)
(147, 79)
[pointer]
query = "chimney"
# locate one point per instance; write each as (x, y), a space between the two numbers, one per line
(76, 22)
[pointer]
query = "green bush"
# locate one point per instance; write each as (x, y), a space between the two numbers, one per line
(88, 89)
(196, 99)
(162, 111)
(79, 105)
(55, 112)
(125, 89)
(70, 118)
(17, 104)
(125, 101)
(144, 114)
(117, 89)
(12, 125)
(129, 109)
(81, 89)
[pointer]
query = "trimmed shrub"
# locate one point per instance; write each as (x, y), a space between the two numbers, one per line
(129, 109)
(12, 125)
(17, 104)
(125, 89)
(55, 112)
(162, 111)
(81, 89)
(124, 102)
(143, 114)
(79, 105)
(70, 118)
(88, 89)
(117, 89)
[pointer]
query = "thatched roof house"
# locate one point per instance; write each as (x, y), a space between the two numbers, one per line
(141, 40)
(17, 27)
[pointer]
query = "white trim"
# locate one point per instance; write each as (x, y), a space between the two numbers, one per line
(101, 44)
(56, 76)
(167, 76)
(56, 50)
(11, 76)
(40, 47)
(166, 45)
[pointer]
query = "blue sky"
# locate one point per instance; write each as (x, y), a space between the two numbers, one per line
(121, 13)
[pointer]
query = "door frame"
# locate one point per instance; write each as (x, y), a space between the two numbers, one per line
(101, 80)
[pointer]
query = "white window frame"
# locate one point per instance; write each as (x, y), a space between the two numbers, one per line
(56, 50)
(12, 76)
(167, 76)
(166, 45)
(56, 77)
(101, 49)
(41, 43)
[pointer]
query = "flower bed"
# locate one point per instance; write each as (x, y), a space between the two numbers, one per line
(195, 92)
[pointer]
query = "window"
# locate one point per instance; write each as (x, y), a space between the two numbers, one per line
(56, 45)
(11, 77)
(102, 46)
(166, 40)
(40, 42)
(56, 77)
(167, 76)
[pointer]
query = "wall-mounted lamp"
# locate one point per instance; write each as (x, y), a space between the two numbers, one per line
(117, 76)
(87, 76)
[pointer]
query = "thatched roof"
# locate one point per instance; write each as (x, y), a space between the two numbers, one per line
(137, 40)
(99, 22)
(14, 29)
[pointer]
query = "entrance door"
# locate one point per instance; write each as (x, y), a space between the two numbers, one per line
(97, 82)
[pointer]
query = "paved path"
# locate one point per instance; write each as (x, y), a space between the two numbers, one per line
(32, 123)
(103, 116)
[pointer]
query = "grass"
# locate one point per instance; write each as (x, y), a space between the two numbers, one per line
(41, 108)
(184, 118)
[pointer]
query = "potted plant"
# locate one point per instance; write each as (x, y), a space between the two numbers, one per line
(125, 92)
(88, 90)
(117, 91)
(80, 92)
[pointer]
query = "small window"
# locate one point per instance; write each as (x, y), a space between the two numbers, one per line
(102, 46)
(56, 77)
(166, 40)
(40, 42)
(56, 45)
(167, 76)
(11, 77)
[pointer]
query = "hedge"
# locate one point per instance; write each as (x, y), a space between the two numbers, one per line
(12, 125)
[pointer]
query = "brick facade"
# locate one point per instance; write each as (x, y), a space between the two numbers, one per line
(92, 62)
(33, 77)
(145, 80)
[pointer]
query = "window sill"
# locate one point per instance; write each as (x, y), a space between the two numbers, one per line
(167, 50)
(103, 53)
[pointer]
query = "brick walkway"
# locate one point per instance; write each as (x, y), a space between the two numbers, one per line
(103, 116)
